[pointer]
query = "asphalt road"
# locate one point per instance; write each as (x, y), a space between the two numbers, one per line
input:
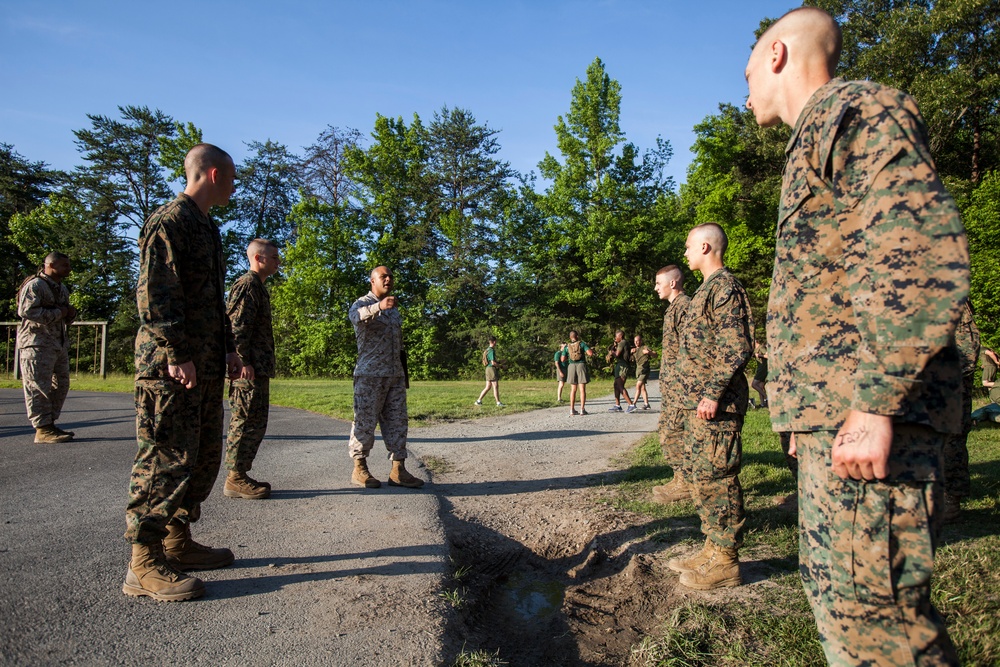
(325, 573)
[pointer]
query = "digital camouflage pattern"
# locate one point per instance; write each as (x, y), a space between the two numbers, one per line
(956, 448)
(249, 403)
(180, 293)
(379, 336)
(182, 317)
(713, 452)
(379, 381)
(866, 559)
(715, 345)
(43, 348)
(871, 268)
(673, 320)
(42, 323)
(870, 273)
(671, 421)
(179, 433)
(249, 309)
(379, 401)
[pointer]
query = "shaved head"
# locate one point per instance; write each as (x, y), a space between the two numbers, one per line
(54, 257)
(203, 157)
(810, 35)
(712, 234)
(260, 247)
(672, 272)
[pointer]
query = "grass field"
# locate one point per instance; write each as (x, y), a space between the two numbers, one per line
(773, 624)
(428, 401)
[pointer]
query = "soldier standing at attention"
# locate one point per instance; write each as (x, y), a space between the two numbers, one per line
(716, 343)
(43, 346)
(379, 383)
(183, 351)
(870, 274)
(670, 288)
(249, 396)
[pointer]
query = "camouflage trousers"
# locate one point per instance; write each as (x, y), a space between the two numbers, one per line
(249, 402)
(45, 375)
(381, 401)
(866, 553)
(714, 451)
(671, 430)
(179, 432)
(956, 449)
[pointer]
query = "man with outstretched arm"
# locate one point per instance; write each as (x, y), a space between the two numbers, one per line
(871, 270)
(379, 383)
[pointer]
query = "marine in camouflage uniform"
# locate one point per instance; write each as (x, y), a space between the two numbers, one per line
(379, 383)
(43, 347)
(184, 350)
(956, 450)
(669, 287)
(249, 309)
(871, 270)
(715, 345)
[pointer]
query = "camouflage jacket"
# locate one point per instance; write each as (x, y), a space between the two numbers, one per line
(715, 344)
(249, 309)
(673, 321)
(38, 305)
(968, 341)
(380, 338)
(871, 268)
(182, 310)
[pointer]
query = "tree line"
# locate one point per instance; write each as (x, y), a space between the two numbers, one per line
(479, 249)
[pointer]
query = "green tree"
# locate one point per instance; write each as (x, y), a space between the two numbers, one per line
(124, 156)
(322, 275)
(174, 149)
(267, 184)
(981, 214)
(603, 211)
(470, 187)
(24, 185)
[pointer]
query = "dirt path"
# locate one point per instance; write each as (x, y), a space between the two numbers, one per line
(544, 574)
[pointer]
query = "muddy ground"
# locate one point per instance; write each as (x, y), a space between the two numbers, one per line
(545, 571)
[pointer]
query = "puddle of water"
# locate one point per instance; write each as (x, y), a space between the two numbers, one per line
(533, 598)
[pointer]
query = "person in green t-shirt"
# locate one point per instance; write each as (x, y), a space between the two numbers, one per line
(492, 372)
(562, 366)
(641, 355)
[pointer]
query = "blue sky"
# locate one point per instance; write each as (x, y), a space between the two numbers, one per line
(251, 71)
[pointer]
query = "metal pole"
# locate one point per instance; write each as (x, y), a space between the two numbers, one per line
(104, 350)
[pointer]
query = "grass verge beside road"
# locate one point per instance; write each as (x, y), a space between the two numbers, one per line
(772, 624)
(429, 401)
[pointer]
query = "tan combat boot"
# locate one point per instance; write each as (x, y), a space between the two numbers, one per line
(62, 432)
(184, 554)
(720, 570)
(361, 476)
(675, 491)
(400, 477)
(682, 565)
(238, 485)
(149, 574)
(49, 435)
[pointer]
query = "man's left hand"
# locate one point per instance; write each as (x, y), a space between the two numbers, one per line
(861, 448)
(707, 408)
(234, 365)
